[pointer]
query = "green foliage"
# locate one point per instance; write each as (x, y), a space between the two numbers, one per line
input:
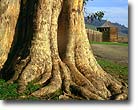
(31, 88)
(113, 68)
(85, 1)
(97, 15)
(56, 95)
(8, 91)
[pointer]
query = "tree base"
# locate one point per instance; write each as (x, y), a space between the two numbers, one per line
(66, 82)
(74, 75)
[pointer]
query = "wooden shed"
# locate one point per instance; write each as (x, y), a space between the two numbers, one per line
(94, 35)
(110, 32)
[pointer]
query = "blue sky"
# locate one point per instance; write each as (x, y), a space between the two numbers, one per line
(115, 10)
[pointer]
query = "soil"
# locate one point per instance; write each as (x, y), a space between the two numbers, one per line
(115, 53)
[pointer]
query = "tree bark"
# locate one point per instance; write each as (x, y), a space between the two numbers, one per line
(9, 12)
(60, 56)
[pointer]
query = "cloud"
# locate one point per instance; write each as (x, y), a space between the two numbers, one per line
(115, 10)
(114, 14)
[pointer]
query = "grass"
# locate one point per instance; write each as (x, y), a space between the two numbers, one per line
(113, 68)
(9, 91)
(110, 43)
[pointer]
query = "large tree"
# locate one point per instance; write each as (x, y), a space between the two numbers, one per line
(45, 42)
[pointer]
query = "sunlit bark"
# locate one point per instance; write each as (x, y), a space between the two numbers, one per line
(60, 57)
(9, 13)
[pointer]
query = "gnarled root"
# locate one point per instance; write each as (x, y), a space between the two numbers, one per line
(53, 86)
(21, 64)
(67, 82)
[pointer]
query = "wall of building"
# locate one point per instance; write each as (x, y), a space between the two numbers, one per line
(105, 33)
(113, 34)
(94, 35)
(123, 39)
(110, 34)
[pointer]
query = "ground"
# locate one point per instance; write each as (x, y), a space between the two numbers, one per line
(113, 58)
(115, 53)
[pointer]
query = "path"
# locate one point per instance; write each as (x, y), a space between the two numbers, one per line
(116, 53)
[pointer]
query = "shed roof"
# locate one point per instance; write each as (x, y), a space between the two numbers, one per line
(108, 24)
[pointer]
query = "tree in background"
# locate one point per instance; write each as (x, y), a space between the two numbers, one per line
(45, 42)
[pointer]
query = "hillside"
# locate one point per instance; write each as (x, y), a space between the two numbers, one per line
(123, 31)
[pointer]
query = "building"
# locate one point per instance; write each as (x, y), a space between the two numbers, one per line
(94, 36)
(109, 32)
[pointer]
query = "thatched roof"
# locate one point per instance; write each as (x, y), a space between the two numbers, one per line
(108, 24)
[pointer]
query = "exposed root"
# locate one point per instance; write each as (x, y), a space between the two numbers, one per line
(75, 82)
(28, 75)
(19, 68)
(66, 96)
(66, 82)
(66, 77)
(36, 68)
(98, 87)
(52, 87)
(82, 81)
(121, 96)
(81, 91)
(44, 78)
(78, 76)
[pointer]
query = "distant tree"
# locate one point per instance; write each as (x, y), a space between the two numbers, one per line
(97, 15)
(93, 15)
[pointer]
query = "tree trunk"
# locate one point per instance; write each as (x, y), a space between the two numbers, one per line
(60, 57)
(9, 12)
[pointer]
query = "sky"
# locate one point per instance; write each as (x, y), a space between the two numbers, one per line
(115, 10)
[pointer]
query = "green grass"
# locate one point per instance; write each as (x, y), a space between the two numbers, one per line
(113, 68)
(110, 43)
(9, 91)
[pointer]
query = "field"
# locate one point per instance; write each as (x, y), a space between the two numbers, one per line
(113, 58)
(111, 43)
